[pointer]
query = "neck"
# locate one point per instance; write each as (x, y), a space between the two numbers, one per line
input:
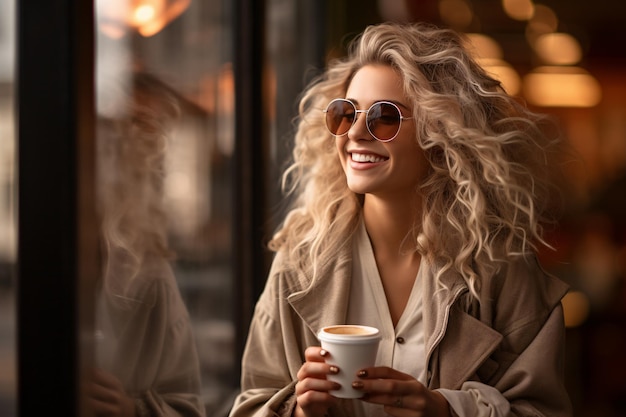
(389, 225)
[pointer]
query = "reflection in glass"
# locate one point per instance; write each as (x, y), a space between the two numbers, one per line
(146, 357)
(148, 17)
(189, 61)
(8, 380)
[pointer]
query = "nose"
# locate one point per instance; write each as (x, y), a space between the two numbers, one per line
(359, 129)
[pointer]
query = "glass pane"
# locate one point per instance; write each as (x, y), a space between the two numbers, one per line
(8, 381)
(165, 143)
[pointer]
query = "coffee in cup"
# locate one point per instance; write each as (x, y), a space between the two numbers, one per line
(351, 348)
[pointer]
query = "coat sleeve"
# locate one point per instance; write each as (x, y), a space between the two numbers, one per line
(273, 354)
(534, 383)
(267, 388)
(533, 348)
(531, 386)
(145, 341)
(172, 385)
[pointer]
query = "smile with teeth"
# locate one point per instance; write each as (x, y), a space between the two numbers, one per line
(361, 157)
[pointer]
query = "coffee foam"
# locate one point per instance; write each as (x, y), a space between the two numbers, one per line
(348, 330)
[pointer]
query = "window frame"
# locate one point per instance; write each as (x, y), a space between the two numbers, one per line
(57, 239)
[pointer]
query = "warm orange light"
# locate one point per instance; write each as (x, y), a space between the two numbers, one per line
(561, 87)
(558, 49)
(483, 46)
(503, 72)
(575, 308)
(148, 17)
(143, 14)
(544, 17)
(226, 109)
(518, 9)
(544, 21)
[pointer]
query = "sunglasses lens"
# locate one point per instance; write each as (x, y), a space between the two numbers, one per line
(340, 117)
(383, 121)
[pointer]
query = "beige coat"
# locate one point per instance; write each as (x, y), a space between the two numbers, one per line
(145, 339)
(513, 340)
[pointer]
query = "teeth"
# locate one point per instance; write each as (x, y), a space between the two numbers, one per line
(360, 157)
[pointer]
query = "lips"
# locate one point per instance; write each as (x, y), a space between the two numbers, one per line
(366, 157)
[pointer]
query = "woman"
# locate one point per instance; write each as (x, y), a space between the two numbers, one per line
(419, 191)
(146, 359)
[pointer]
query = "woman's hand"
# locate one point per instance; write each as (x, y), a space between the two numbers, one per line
(312, 396)
(107, 397)
(401, 394)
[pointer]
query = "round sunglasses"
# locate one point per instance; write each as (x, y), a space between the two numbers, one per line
(383, 118)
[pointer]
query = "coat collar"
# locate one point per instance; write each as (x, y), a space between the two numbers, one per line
(331, 292)
(325, 301)
(437, 301)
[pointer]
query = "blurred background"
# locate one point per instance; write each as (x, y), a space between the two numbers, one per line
(237, 67)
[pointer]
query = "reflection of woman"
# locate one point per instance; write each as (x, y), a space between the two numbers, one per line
(147, 361)
(418, 194)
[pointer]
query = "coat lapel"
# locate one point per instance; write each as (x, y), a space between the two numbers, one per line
(437, 303)
(466, 346)
(331, 292)
(451, 333)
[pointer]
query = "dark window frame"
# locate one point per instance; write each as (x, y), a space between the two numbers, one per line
(57, 243)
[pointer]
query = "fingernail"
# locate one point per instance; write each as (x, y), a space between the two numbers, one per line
(357, 385)
(333, 369)
(323, 352)
(362, 374)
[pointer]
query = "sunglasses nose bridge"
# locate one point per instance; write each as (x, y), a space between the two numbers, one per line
(360, 123)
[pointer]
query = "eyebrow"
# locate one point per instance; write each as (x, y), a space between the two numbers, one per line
(397, 103)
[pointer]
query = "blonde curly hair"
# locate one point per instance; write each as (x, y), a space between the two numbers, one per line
(130, 159)
(487, 191)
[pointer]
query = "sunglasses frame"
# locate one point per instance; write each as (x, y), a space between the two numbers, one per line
(356, 113)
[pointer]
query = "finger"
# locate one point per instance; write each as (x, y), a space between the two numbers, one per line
(408, 406)
(398, 405)
(101, 408)
(383, 372)
(316, 370)
(101, 393)
(106, 379)
(315, 354)
(386, 391)
(314, 384)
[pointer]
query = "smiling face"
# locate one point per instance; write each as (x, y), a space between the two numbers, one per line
(386, 169)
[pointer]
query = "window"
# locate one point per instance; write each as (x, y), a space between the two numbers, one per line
(8, 380)
(165, 111)
(177, 84)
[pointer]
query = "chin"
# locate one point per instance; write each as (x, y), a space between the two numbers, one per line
(359, 188)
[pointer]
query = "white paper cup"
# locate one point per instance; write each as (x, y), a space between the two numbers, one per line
(352, 348)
